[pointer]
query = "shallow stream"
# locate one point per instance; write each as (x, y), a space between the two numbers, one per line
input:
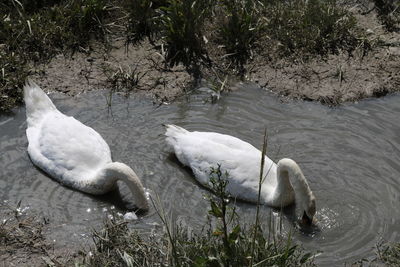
(349, 154)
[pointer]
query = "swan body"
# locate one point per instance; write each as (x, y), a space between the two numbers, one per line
(283, 182)
(71, 152)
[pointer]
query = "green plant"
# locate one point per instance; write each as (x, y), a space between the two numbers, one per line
(35, 31)
(87, 18)
(143, 19)
(124, 79)
(241, 28)
(13, 73)
(389, 13)
(310, 27)
(182, 23)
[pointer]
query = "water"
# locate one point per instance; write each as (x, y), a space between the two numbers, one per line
(350, 156)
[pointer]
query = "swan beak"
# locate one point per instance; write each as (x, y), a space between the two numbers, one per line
(306, 220)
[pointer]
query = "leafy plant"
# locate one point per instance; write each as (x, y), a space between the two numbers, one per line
(124, 79)
(13, 73)
(310, 27)
(35, 31)
(240, 28)
(182, 23)
(143, 19)
(389, 13)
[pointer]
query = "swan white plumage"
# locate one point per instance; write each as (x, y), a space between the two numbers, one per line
(71, 152)
(284, 182)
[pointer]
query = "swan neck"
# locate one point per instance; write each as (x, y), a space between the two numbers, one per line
(291, 180)
(123, 172)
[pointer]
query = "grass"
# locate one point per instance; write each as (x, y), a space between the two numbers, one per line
(33, 32)
(311, 27)
(181, 31)
(244, 27)
(389, 13)
(240, 29)
(13, 73)
(143, 19)
(124, 79)
(196, 33)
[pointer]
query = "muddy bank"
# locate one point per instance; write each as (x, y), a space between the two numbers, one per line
(337, 78)
(142, 68)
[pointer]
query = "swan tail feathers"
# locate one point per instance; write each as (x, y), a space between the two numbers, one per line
(172, 134)
(173, 130)
(36, 101)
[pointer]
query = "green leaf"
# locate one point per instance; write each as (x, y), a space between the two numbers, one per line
(234, 234)
(215, 210)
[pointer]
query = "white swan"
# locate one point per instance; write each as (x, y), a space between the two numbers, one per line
(71, 152)
(283, 182)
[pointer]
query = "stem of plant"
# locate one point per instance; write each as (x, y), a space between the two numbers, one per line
(264, 150)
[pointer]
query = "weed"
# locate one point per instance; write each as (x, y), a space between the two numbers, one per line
(389, 13)
(143, 19)
(240, 29)
(34, 31)
(124, 79)
(310, 27)
(182, 23)
(13, 73)
(87, 18)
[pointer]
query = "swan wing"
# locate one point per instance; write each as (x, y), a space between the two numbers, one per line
(202, 151)
(68, 150)
(227, 140)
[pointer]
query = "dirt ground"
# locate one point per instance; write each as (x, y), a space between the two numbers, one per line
(96, 70)
(338, 78)
(331, 80)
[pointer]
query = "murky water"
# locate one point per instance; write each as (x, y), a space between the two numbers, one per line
(350, 155)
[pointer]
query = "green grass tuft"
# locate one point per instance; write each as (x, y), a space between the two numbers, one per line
(182, 24)
(310, 27)
(241, 28)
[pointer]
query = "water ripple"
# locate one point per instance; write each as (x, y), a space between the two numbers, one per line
(349, 154)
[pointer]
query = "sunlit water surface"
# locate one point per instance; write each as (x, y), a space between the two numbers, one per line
(350, 156)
